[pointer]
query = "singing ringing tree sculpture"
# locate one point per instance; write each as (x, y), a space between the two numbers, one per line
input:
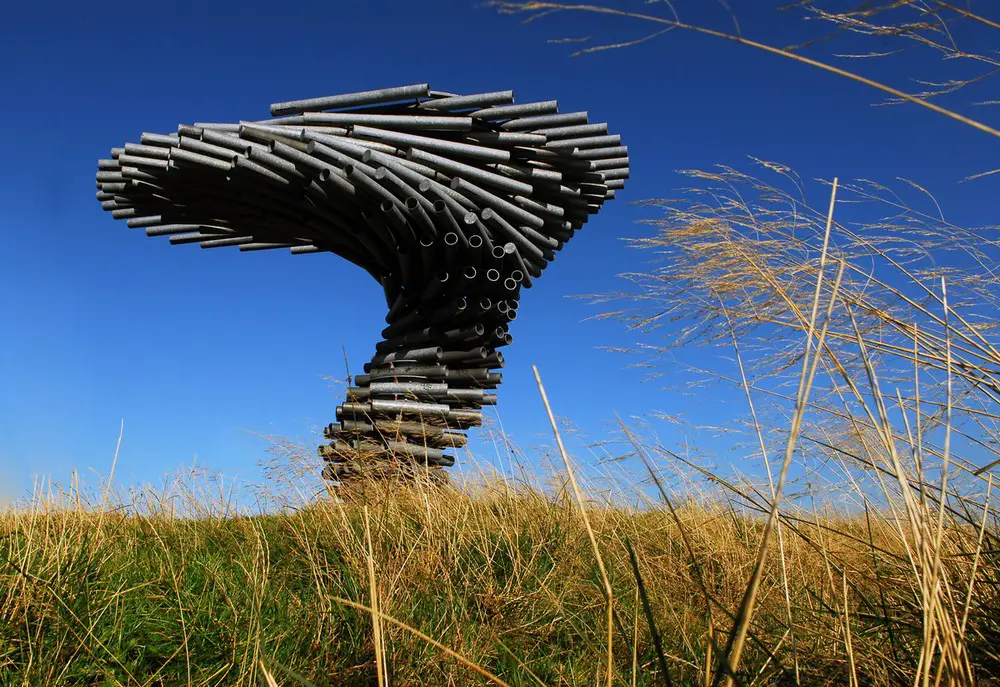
(454, 203)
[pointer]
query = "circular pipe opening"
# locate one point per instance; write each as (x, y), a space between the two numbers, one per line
(451, 239)
(493, 275)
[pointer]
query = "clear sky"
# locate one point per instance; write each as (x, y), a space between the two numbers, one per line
(202, 351)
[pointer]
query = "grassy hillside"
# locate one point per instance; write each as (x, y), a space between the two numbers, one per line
(504, 577)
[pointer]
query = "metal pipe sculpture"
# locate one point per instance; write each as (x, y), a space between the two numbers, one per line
(453, 203)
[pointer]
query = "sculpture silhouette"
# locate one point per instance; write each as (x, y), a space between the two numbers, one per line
(454, 203)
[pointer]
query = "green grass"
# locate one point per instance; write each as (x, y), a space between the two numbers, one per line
(506, 579)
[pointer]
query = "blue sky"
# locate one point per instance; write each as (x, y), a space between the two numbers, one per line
(202, 351)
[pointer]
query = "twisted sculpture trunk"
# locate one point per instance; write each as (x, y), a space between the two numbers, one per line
(453, 203)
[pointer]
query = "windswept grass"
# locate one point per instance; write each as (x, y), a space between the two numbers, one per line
(504, 577)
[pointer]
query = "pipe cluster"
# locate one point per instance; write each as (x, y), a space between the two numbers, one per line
(453, 203)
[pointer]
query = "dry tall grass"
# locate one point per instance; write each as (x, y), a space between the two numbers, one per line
(496, 582)
(890, 398)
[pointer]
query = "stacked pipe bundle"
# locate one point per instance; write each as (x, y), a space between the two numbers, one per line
(453, 203)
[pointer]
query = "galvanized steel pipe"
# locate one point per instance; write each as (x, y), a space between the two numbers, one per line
(452, 202)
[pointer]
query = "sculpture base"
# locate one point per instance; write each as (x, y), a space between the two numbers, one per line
(407, 410)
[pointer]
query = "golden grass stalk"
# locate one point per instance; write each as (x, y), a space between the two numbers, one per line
(375, 611)
(675, 23)
(608, 593)
(744, 615)
(758, 430)
(111, 476)
(266, 676)
(635, 638)
(848, 644)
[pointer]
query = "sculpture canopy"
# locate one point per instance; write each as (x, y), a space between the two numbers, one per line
(452, 202)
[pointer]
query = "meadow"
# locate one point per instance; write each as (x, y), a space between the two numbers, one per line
(496, 582)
